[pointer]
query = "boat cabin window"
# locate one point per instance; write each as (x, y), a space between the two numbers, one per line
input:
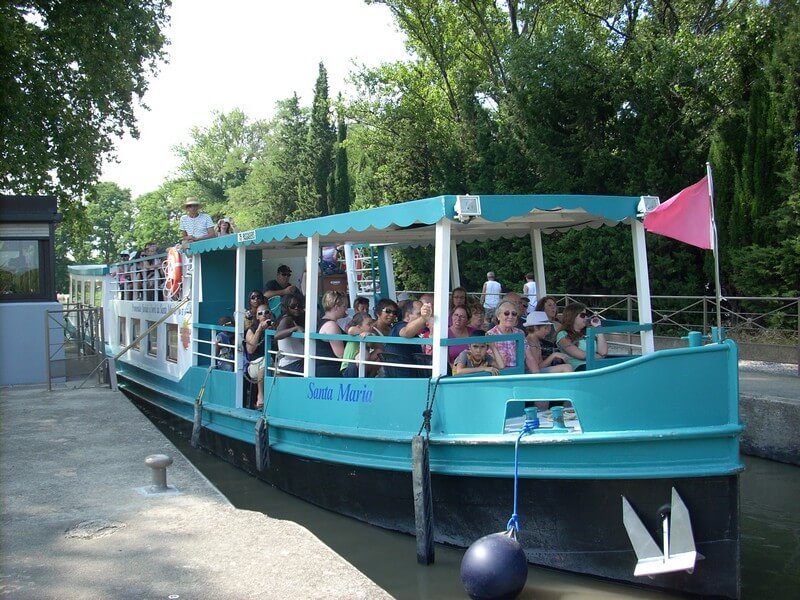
(123, 334)
(172, 342)
(136, 330)
(152, 339)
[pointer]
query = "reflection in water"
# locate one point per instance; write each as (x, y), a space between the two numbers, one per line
(770, 520)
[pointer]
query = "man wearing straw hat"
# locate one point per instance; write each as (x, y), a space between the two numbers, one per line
(195, 225)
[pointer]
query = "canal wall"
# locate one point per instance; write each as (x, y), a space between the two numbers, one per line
(75, 523)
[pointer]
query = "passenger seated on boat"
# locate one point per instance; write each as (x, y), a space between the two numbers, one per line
(150, 269)
(361, 304)
(507, 315)
(572, 338)
(414, 322)
(360, 325)
(537, 325)
(549, 305)
(292, 321)
(254, 348)
(280, 286)
(386, 314)
(222, 345)
(458, 297)
(476, 321)
(516, 300)
(459, 318)
(479, 357)
(256, 299)
(335, 306)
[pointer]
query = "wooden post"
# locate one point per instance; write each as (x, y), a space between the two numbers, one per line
(423, 499)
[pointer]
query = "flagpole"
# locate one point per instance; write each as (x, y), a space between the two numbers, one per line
(715, 248)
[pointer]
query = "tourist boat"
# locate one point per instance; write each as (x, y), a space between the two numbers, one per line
(653, 429)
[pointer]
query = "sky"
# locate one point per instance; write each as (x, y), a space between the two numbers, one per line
(245, 54)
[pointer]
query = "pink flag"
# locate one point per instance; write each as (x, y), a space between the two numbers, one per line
(685, 217)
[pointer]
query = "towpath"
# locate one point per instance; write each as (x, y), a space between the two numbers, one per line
(74, 524)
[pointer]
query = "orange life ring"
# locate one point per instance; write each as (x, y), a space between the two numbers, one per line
(173, 272)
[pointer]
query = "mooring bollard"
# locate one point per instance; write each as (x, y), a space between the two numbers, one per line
(159, 463)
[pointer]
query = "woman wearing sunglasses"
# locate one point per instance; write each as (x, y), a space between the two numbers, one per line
(507, 317)
(255, 300)
(254, 347)
(571, 339)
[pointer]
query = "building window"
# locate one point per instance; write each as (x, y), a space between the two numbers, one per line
(136, 330)
(152, 339)
(21, 275)
(172, 342)
(123, 334)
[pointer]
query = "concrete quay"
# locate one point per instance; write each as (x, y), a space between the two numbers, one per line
(75, 525)
(769, 407)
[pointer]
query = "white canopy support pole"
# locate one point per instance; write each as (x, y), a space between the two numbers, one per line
(538, 262)
(642, 284)
(312, 290)
(240, 302)
(441, 297)
(455, 273)
(350, 269)
(388, 287)
(195, 303)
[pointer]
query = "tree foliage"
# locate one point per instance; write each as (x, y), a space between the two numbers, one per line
(69, 75)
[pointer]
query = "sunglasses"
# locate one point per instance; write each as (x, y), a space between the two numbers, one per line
(255, 297)
(293, 306)
(261, 313)
(390, 311)
(510, 313)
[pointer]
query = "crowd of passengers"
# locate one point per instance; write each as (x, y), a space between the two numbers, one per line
(143, 279)
(553, 342)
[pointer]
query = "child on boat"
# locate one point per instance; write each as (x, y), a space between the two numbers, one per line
(571, 339)
(223, 345)
(479, 357)
(360, 325)
(537, 328)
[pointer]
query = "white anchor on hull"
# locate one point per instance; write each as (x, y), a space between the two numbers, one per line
(679, 552)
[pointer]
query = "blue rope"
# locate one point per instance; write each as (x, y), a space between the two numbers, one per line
(528, 427)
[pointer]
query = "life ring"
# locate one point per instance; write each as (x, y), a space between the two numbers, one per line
(173, 272)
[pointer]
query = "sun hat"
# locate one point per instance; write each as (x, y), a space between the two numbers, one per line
(192, 201)
(537, 317)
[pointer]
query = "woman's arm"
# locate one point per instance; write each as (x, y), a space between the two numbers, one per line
(569, 347)
(531, 361)
(499, 362)
(253, 339)
(286, 327)
(602, 345)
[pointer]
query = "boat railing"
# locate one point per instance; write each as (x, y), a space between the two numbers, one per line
(383, 340)
(212, 341)
(610, 326)
(141, 278)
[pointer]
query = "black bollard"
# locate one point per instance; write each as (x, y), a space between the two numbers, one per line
(423, 499)
(494, 567)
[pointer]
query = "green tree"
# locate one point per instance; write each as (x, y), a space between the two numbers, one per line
(341, 190)
(158, 213)
(278, 181)
(69, 75)
(219, 157)
(319, 152)
(109, 212)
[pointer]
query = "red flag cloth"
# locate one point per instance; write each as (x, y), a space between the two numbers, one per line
(685, 217)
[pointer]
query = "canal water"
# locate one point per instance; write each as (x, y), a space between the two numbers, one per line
(770, 522)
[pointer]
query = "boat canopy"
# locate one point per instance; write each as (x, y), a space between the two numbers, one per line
(501, 216)
(88, 270)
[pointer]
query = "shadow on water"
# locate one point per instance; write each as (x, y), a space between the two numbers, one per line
(770, 518)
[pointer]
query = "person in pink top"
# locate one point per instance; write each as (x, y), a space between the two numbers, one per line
(459, 328)
(507, 315)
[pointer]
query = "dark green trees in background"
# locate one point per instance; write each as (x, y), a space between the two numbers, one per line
(69, 74)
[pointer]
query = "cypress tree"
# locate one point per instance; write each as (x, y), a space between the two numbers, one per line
(341, 192)
(321, 138)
